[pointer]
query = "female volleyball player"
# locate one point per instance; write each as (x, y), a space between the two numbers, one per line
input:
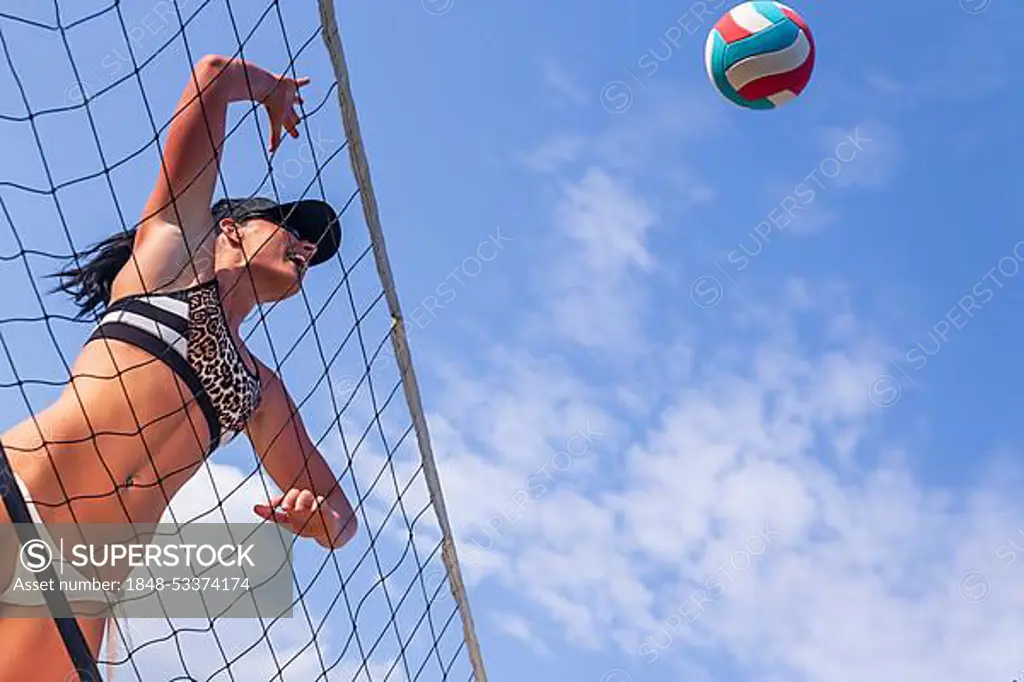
(165, 379)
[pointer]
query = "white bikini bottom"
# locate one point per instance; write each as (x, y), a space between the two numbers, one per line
(77, 588)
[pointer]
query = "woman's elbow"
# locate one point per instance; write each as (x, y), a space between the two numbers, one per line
(345, 535)
(348, 533)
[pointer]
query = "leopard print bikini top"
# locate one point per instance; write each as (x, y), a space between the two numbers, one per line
(187, 330)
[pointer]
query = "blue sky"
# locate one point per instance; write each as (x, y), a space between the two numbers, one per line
(802, 469)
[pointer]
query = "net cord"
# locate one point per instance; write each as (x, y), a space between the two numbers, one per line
(360, 166)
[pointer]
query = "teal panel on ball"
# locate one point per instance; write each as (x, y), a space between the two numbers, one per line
(769, 11)
(760, 104)
(718, 70)
(778, 37)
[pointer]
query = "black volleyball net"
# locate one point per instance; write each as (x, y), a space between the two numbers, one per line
(88, 90)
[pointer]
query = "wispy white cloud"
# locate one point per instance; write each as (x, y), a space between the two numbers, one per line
(590, 292)
(671, 526)
(873, 147)
(668, 121)
(563, 85)
(553, 154)
(744, 500)
(750, 512)
(516, 626)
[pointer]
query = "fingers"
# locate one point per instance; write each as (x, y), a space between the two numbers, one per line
(306, 502)
(294, 509)
(268, 513)
(302, 81)
(275, 129)
(275, 510)
(288, 503)
(291, 123)
(267, 510)
(298, 501)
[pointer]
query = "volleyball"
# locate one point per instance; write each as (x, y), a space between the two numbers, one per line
(760, 55)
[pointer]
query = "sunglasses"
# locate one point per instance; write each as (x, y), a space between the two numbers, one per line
(276, 220)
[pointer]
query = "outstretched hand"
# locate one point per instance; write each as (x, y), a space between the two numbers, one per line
(281, 108)
(305, 514)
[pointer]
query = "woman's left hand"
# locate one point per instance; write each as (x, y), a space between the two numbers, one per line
(305, 514)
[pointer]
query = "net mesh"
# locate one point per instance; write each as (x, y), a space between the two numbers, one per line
(88, 89)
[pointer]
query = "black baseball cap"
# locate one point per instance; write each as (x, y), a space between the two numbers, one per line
(311, 220)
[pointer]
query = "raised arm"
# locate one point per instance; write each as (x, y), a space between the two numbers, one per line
(188, 172)
(299, 470)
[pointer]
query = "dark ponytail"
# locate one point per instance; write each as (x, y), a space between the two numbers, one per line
(90, 283)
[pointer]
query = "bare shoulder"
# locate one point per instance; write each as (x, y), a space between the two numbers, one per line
(161, 260)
